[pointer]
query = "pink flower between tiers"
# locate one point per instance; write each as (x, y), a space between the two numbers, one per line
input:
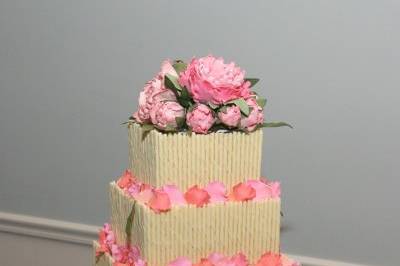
(162, 199)
(197, 196)
(210, 80)
(123, 255)
(175, 195)
(243, 192)
(182, 261)
(217, 191)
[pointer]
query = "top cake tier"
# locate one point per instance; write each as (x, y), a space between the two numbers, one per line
(185, 160)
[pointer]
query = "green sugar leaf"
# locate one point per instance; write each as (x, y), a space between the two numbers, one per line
(276, 124)
(241, 103)
(171, 82)
(129, 223)
(252, 81)
(180, 121)
(179, 66)
(261, 102)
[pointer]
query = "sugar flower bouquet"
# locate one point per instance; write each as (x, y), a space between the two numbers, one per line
(203, 96)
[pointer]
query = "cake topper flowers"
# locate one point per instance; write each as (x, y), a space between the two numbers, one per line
(203, 96)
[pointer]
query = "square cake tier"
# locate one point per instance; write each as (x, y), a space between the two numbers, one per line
(251, 227)
(182, 159)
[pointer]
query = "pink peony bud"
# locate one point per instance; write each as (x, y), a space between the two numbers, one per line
(210, 80)
(200, 119)
(230, 116)
(164, 115)
(255, 117)
(153, 92)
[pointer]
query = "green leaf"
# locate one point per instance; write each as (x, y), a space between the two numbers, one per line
(185, 93)
(147, 127)
(179, 66)
(252, 81)
(129, 223)
(171, 82)
(241, 103)
(213, 106)
(180, 121)
(223, 109)
(276, 124)
(146, 130)
(261, 102)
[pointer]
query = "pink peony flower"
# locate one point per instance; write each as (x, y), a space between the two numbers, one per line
(217, 191)
(164, 114)
(153, 92)
(200, 119)
(255, 117)
(175, 195)
(210, 80)
(160, 201)
(231, 116)
(197, 196)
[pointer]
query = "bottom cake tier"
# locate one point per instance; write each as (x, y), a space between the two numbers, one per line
(106, 252)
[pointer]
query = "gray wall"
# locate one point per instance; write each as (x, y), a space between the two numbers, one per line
(71, 71)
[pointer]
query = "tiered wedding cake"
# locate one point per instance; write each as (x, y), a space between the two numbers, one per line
(193, 194)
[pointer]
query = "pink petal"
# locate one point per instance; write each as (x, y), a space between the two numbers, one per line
(160, 201)
(217, 191)
(262, 189)
(175, 195)
(182, 261)
(144, 196)
(215, 258)
(275, 188)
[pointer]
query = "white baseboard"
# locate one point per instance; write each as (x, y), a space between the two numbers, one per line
(47, 228)
(84, 234)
